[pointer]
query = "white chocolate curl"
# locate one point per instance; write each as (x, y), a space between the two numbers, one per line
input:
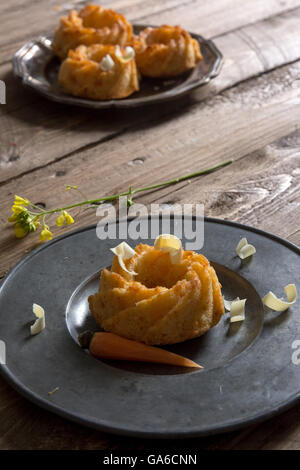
(244, 250)
(169, 244)
(127, 56)
(129, 53)
(124, 251)
(236, 308)
(280, 305)
(39, 323)
(107, 63)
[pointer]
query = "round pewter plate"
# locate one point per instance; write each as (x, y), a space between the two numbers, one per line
(36, 64)
(248, 374)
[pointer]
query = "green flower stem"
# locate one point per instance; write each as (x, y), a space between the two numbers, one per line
(139, 190)
(183, 178)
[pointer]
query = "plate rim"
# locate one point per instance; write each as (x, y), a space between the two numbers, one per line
(106, 427)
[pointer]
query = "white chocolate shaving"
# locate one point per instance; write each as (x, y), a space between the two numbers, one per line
(39, 323)
(124, 251)
(129, 53)
(280, 305)
(53, 391)
(127, 56)
(236, 308)
(244, 249)
(107, 63)
(169, 244)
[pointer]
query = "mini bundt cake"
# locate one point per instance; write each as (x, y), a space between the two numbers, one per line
(91, 25)
(156, 300)
(166, 51)
(99, 72)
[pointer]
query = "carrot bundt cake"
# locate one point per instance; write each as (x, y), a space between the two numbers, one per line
(99, 72)
(166, 51)
(158, 294)
(91, 25)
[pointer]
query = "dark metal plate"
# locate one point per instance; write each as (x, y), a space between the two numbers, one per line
(248, 376)
(37, 66)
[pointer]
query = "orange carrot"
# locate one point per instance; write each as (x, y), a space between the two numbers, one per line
(111, 346)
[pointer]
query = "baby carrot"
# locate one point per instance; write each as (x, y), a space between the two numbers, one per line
(111, 346)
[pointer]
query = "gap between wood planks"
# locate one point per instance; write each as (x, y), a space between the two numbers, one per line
(67, 155)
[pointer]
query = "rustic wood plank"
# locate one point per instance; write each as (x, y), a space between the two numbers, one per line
(280, 433)
(295, 237)
(228, 126)
(214, 18)
(33, 137)
(124, 6)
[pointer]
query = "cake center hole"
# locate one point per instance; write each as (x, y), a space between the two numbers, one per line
(155, 269)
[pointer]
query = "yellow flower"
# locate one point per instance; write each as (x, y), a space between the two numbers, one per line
(17, 209)
(12, 218)
(45, 234)
(64, 217)
(20, 231)
(60, 220)
(68, 218)
(20, 201)
(18, 212)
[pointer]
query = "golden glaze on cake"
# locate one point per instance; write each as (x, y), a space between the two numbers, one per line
(81, 73)
(164, 303)
(92, 25)
(166, 51)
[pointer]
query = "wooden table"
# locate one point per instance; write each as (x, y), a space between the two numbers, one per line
(250, 113)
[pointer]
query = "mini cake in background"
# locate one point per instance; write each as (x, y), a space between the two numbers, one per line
(166, 51)
(99, 72)
(158, 296)
(92, 25)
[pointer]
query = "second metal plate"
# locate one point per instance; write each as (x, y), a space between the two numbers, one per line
(36, 64)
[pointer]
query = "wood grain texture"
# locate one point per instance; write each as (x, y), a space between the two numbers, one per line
(33, 138)
(216, 17)
(262, 189)
(250, 113)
